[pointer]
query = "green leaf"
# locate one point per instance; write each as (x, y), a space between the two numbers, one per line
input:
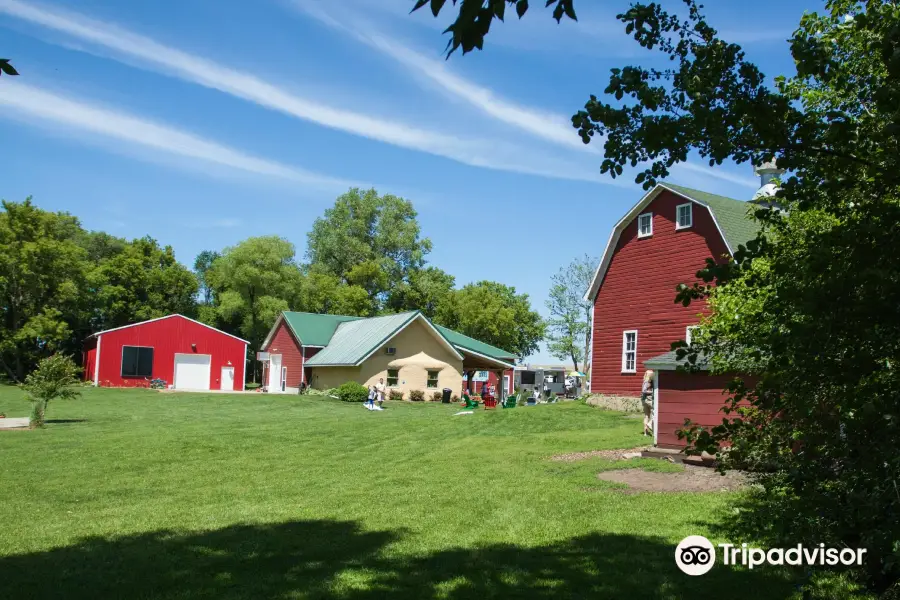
(7, 68)
(521, 7)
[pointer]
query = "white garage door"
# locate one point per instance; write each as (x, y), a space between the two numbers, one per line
(192, 371)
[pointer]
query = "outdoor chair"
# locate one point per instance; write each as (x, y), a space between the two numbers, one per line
(469, 402)
(511, 401)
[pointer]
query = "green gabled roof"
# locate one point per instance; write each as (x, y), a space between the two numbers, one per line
(355, 339)
(313, 329)
(733, 216)
(466, 343)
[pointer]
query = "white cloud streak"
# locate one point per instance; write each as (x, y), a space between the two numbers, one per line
(551, 127)
(548, 126)
(173, 62)
(24, 101)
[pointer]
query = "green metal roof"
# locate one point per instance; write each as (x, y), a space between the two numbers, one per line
(355, 339)
(669, 362)
(466, 343)
(733, 216)
(313, 329)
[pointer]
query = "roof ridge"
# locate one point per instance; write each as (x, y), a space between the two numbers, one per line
(688, 190)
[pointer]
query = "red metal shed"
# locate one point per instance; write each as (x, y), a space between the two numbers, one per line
(184, 353)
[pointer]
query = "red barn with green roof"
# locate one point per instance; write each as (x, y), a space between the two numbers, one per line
(661, 242)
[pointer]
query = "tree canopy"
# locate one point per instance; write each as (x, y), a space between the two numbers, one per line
(495, 314)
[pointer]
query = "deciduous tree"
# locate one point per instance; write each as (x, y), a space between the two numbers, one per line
(569, 325)
(253, 282)
(495, 314)
(369, 241)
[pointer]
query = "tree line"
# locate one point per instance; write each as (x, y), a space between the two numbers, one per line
(365, 256)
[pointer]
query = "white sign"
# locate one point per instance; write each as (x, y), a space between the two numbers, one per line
(262, 356)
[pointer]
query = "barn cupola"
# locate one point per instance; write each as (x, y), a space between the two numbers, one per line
(768, 172)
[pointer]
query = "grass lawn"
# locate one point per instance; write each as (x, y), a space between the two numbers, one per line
(163, 495)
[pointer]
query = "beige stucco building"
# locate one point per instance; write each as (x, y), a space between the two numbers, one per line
(406, 350)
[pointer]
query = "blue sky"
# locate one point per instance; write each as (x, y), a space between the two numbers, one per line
(202, 123)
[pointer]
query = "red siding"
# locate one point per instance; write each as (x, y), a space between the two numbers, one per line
(90, 358)
(492, 378)
(284, 343)
(695, 396)
(638, 292)
(167, 337)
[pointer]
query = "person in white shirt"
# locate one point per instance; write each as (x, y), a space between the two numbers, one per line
(647, 401)
(379, 389)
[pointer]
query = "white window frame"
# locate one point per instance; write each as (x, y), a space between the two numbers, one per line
(649, 216)
(678, 208)
(625, 351)
(687, 333)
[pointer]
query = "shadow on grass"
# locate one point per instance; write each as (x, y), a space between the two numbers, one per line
(65, 421)
(332, 559)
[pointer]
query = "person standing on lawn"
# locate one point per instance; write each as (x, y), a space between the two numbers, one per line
(647, 401)
(370, 401)
(379, 392)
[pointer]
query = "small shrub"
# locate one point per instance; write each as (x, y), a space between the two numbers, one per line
(55, 377)
(437, 397)
(352, 392)
(253, 386)
(454, 398)
(395, 395)
(417, 396)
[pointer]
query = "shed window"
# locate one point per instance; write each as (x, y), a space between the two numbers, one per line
(393, 377)
(527, 377)
(629, 351)
(645, 225)
(137, 361)
(432, 379)
(684, 216)
(689, 333)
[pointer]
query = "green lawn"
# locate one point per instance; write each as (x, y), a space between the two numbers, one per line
(140, 494)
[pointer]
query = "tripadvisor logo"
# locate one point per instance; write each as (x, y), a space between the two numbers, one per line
(695, 555)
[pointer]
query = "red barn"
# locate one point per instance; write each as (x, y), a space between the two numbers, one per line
(661, 242)
(184, 353)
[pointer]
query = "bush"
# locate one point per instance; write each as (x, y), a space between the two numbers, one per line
(417, 396)
(252, 386)
(437, 397)
(352, 392)
(395, 395)
(454, 398)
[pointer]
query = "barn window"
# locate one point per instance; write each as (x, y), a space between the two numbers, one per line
(432, 379)
(629, 351)
(137, 361)
(689, 333)
(645, 225)
(393, 376)
(684, 216)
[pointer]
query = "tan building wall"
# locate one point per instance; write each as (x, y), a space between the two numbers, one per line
(418, 351)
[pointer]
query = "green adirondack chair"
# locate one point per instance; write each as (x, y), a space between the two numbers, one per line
(511, 401)
(469, 402)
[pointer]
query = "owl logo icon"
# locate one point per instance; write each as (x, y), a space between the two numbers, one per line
(695, 555)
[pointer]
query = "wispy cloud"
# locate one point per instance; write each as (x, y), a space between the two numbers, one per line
(545, 125)
(27, 101)
(492, 154)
